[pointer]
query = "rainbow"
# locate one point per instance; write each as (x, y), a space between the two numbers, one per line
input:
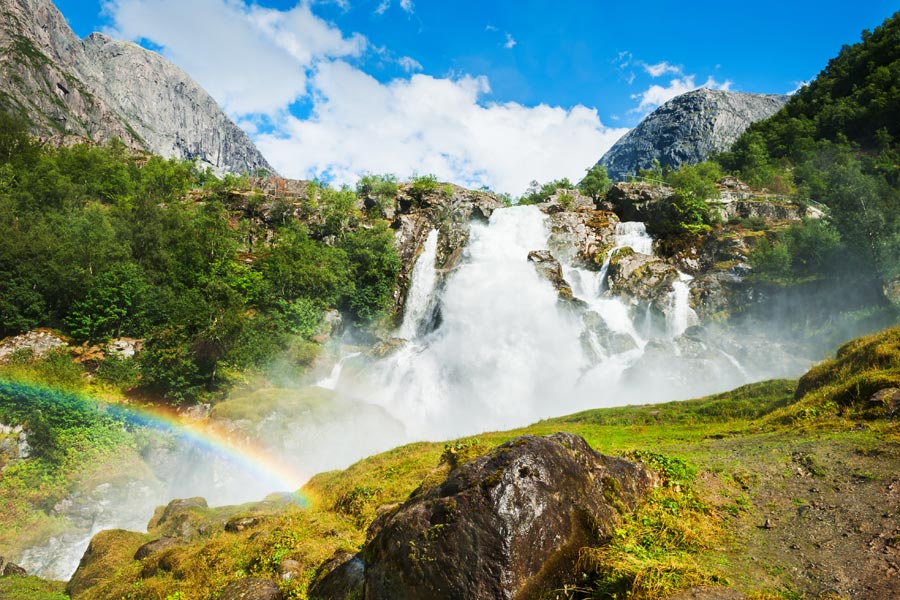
(204, 435)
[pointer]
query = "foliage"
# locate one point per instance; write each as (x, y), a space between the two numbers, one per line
(378, 191)
(423, 185)
(595, 182)
(98, 242)
(802, 251)
(538, 193)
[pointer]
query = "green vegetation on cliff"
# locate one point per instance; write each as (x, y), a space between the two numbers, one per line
(98, 243)
(836, 142)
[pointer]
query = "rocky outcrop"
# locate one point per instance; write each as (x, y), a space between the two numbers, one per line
(449, 209)
(582, 238)
(528, 507)
(340, 578)
(36, 344)
(550, 269)
(637, 201)
(100, 88)
(688, 129)
(640, 277)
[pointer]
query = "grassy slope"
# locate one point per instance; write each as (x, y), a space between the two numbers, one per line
(792, 497)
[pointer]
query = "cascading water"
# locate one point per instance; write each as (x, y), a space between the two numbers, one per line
(680, 315)
(420, 298)
(501, 351)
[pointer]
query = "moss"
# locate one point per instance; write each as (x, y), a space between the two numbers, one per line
(31, 588)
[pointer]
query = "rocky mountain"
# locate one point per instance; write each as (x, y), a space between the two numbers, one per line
(688, 129)
(100, 88)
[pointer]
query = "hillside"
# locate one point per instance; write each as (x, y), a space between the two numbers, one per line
(769, 491)
(100, 89)
(687, 130)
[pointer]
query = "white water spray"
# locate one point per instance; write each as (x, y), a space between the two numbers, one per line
(420, 298)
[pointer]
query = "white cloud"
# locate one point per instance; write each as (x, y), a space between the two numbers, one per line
(382, 8)
(409, 64)
(407, 5)
(657, 95)
(250, 59)
(490, 28)
(257, 62)
(429, 125)
(510, 42)
(661, 68)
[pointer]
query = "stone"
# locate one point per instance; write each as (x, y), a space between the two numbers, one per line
(289, 569)
(154, 546)
(238, 524)
(124, 347)
(340, 578)
(13, 570)
(582, 238)
(252, 588)
(641, 277)
(889, 398)
(637, 200)
(528, 507)
(550, 269)
(688, 129)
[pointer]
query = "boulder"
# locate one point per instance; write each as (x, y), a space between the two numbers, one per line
(550, 269)
(641, 277)
(252, 588)
(528, 507)
(761, 209)
(154, 546)
(239, 524)
(339, 578)
(889, 399)
(582, 238)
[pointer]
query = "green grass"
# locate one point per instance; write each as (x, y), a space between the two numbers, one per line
(31, 588)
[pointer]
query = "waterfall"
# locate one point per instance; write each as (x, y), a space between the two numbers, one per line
(503, 347)
(419, 299)
(680, 315)
(330, 382)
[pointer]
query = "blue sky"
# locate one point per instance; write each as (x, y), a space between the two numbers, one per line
(482, 93)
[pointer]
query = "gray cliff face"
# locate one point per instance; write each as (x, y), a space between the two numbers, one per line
(100, 88)
(688, 129)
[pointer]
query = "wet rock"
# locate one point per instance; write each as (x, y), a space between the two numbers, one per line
(640, 277)
(550, 269)
(339, 578)
(410, 233)
(582, 238)
(155, 546)
(13, 570)
(528, 507)
(252, 588)
(600, 341)
(238, 524)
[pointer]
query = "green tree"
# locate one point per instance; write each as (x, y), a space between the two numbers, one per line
(595, 182)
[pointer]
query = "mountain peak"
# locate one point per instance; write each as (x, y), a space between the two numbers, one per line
(101, 88)
(688, 129)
